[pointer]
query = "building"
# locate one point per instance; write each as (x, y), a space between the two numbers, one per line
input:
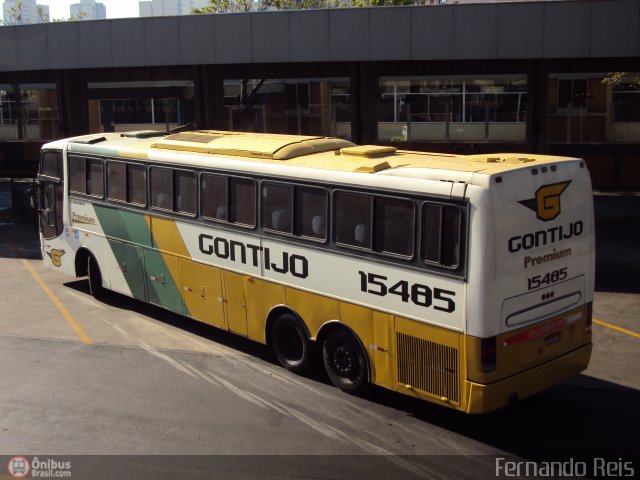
(488, 77)
(20, 12)
(88, 10)
(164, 8)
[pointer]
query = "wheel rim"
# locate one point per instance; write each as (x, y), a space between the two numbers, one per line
(345, 361)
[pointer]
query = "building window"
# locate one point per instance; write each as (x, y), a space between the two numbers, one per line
(459, 109)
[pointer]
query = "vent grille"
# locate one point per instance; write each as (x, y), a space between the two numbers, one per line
(428, 366)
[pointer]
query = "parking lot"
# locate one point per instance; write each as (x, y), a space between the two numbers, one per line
(81, 377)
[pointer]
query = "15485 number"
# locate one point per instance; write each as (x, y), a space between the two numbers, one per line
(538, 281)
(419, 294)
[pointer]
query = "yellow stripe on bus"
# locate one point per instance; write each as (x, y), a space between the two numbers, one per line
(167, 237)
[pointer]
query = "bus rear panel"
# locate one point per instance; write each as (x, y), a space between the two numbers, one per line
(530, 295)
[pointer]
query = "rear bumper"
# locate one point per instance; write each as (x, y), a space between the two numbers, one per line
(486, 398)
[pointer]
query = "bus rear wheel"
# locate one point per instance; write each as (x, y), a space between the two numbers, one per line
(345, 361)
(290, 344)
(95, 279)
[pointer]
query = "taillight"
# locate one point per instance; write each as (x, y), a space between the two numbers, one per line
(589, 319)
(488, 355)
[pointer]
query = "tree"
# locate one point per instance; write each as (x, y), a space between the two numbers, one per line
(227, 6)
(622, 78)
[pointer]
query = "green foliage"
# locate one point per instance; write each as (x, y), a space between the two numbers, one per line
(219, 6)
(622, 78)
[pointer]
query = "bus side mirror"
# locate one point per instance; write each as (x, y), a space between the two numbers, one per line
(32, 195)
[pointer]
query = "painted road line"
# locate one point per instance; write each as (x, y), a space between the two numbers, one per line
(623, 330)
(56, 301)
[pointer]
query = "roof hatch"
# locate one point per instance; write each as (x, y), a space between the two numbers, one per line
(254, 145)
(368, 151)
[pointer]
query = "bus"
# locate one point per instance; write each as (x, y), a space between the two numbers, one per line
(466, 281)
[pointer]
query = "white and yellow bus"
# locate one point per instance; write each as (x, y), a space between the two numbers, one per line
(466, 281)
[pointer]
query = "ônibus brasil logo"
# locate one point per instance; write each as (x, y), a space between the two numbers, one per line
(546, 204)
(18, 467)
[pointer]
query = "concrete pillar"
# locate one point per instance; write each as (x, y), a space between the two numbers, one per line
(73, 102)
(208, 97)
(537, 91)
(364, 99)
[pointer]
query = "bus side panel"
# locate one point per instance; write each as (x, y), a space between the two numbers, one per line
(313, 308)
(383, 350)
(235, 302)
(121, 261)
(261, 297)
(162, 266)
(202, 292)
(131, 264)
(163, 281)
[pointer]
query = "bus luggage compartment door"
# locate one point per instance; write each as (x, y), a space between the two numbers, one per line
(202, 291)
(161, 270)
(234, 302)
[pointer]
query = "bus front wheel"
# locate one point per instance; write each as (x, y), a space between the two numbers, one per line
(290, 344)
(345, 361)
(95, 279)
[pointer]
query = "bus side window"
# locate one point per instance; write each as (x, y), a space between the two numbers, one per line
(162, 188)
(186, 192)
(95, 178)
(213, 197)
(137, 184)
(117, 181)
(86, 176)
(441, 227)
(77, 175)
(353, 219)
(242, 201)
(394, 226)
(311, 212)
(277, 207)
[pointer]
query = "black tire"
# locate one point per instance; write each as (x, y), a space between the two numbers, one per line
(95, 279)
(345, 361)
(291, 344)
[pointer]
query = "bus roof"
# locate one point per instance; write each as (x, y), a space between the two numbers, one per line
(303, 151)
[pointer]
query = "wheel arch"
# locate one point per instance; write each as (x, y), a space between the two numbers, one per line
(82, 261)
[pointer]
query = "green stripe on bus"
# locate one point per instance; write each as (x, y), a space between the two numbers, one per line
(135, 251)
(124, 225)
